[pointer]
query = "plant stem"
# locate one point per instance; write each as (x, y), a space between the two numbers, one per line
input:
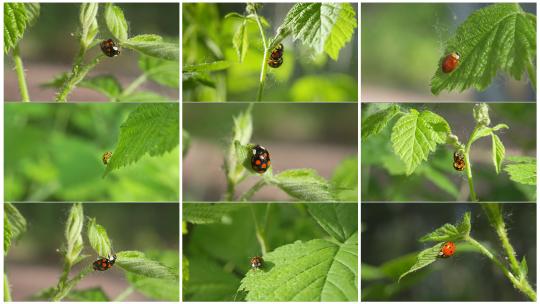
(248, 194)
(468, 168)
(510, 252)
(78, 73)
(258, 231)
(19, 68)
(63, 290)
(7, 291)
(133, 86)
(262, 79)
(531, 70)
(523, 286)
(121, 297)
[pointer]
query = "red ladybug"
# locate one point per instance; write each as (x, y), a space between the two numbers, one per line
(450, 62)
(447, 250)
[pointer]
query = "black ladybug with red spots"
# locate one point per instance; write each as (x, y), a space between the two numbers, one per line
(260, 161)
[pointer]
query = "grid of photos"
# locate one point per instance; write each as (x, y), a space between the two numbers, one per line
(295, 125)
(91, 152)
(448, 142)
(270, 152)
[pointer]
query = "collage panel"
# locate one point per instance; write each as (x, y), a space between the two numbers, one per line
(432, 52)
(270, 52)
(91, 252)
(91, 152)
(449, 152)
(95, 52)
(448, 252)
(279, 252)
(270, 152)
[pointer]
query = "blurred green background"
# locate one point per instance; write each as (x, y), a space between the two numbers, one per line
(53, 152)
(219, 253)
(319, 136)
(403, 43)
(33, 262)
(383, 173)
(49, 47)
(390, 234)
(207, 37)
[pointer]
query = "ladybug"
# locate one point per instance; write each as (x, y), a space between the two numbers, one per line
(459, 161)
(447, 250)
(110, 48)
(277, 52)
(260, 161)
(256, 262)
(276, 56)
(106, 157)
(450, 62)
(103, 264)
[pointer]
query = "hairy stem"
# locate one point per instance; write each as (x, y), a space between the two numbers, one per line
(78, 73)
(521, 285)
(7, 291)
(19, 68)
(63, 289)
(262, 79)
(531, 70)
(259, 232)
(248, 194)
(468, 166)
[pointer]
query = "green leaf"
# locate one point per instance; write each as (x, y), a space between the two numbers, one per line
(449, 232)
(137, 263)
(497, 37)
(94, 294)
(322, 26)
(241, 135)
(340, 220)
(206, 213)
(16, 221)
(88, 21)
(153, 45)
(8, 235)
(116, 23)
(304, 185)
(99, 240)
(108, 85)
(415, 135)
(522, 170)
(164, 72)
(208, 67)
(73, 233)
(32, 12)
(149, 129)
(524, 269)
(345, 180)
(376, 122)
(158, 289)
(423, 259)
(498, 152)
(17, 17)
(241, 41)
(317, 270)
(209, 281)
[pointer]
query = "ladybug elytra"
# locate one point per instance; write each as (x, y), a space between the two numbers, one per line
(459, 161)
(450, 62)
(256, 262)
(110, 48)
(276, 56)
(447, 250)
(260, 161)
(103, 264)
(106, 157)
